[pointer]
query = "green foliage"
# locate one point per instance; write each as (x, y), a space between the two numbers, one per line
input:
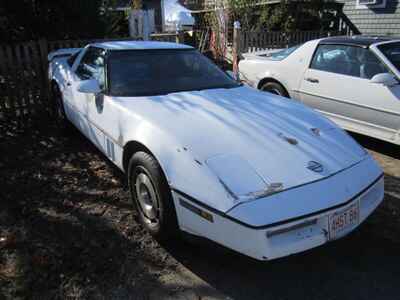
(22, 20)
(294, 16)
(210, 20)
(114, 23)
(283, 16)
(244, 11)
(137, 4)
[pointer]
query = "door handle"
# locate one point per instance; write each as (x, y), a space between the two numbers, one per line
(312, 80)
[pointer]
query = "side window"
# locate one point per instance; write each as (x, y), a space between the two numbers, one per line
(370, 65)
(337, 59)
(92, 66)
(347, 60)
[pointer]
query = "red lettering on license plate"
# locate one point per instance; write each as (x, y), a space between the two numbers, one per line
(340, 222)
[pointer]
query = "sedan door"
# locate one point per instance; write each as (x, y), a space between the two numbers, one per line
(337, 83)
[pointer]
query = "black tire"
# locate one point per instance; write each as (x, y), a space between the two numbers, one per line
(274, 88)
(161, 222)
(60, 116)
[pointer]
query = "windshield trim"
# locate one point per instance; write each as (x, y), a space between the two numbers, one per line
(178, 91)
(234, 84)
(383, 57)
(152, 49)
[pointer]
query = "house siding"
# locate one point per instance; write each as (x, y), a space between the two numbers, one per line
(369, 21)
(374, 21)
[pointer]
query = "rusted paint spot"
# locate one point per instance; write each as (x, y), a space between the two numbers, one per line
(316, 131)
(290, 140)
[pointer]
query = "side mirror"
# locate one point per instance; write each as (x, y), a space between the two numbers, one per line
(90, 86)
(386, 79)
(232, 75)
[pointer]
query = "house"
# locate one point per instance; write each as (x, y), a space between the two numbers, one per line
(374, 17)
(168, 14)
(369, 17)
(156, 5)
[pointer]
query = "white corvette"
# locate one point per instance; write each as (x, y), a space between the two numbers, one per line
(352, 80)
(252, 171)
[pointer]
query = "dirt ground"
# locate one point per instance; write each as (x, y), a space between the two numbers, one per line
(68, 231)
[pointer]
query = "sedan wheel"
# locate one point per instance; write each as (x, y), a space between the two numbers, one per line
(274, 88)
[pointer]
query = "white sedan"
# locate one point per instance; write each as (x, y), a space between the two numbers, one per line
(352, 80)
(206, 155)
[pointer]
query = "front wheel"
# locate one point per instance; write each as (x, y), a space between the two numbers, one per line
(152, 196)
(274, 88)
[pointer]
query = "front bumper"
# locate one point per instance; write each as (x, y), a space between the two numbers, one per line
(313, 231)
(276, 239)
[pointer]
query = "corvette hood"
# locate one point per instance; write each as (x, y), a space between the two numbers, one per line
(251, 141)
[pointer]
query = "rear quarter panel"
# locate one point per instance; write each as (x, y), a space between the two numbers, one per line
(289, 71)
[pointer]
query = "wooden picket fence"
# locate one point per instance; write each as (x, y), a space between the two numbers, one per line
(251, 41)
(24, 89)
(23, 77)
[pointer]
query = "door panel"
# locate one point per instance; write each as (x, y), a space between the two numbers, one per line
(79, 107)
(90, 67)
(328, 87)
(352, 97)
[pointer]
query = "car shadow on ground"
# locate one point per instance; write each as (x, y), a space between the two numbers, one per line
(67, 227)
(363, 265)
(76, 235)
(379, 146)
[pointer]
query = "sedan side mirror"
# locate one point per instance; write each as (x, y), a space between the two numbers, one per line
(386, 79)
(90, 86)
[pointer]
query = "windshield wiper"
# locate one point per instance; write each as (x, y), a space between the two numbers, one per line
(220, 87)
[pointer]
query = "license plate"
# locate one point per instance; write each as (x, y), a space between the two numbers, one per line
(342, 221)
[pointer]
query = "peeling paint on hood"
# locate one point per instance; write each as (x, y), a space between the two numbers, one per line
(270, 138)
(240, 179)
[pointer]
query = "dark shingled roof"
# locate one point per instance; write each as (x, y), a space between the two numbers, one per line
(356, 40)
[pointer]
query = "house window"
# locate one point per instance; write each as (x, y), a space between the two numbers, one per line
(365, 4)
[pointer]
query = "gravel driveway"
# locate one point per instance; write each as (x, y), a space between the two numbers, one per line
(67, 230)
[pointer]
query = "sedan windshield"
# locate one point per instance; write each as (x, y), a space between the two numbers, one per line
(159, 72)
(392, 53)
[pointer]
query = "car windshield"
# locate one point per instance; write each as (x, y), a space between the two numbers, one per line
(281, 54)
(72, 58)
(392, 53)
(158, 72)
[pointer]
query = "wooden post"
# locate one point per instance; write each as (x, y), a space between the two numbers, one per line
(12, 72)
(4, 94)
(44, 51)
(180, 37)
(236, 51)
